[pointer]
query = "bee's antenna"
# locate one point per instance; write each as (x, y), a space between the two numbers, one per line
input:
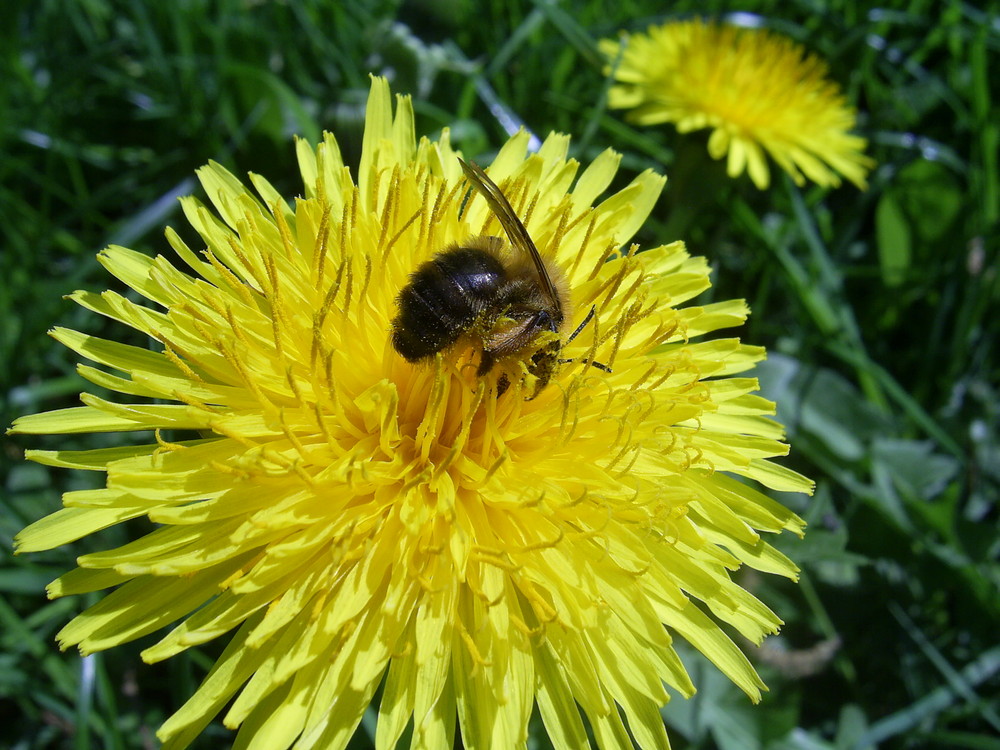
(582, 325)
(592, 363)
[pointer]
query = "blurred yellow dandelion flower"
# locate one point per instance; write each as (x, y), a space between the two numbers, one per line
(757, 90)
(357, 520)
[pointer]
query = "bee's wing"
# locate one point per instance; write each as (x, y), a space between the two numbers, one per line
(516, 232)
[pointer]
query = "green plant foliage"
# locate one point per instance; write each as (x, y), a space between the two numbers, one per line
(880, 309)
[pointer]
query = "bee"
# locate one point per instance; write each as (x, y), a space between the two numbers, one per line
(501, 298)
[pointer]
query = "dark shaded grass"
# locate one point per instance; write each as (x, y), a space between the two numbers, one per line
(879, 309)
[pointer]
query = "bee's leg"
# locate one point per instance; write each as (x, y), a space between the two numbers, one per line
(485, 363)
(503, 383)
(543, 366)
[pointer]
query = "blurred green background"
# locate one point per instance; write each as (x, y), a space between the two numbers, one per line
(879, 309)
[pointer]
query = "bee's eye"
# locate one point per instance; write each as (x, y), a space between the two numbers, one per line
(544, 320)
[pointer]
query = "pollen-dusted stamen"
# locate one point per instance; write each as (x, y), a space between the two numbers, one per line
(477, 546)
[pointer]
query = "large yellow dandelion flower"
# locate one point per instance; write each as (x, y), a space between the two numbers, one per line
(361, 523)
(757, 90)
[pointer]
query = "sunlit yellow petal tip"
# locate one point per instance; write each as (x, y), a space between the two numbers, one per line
(757, 90)
(353, 520)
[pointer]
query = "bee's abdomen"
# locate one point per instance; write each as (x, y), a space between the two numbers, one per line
(443, 298)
